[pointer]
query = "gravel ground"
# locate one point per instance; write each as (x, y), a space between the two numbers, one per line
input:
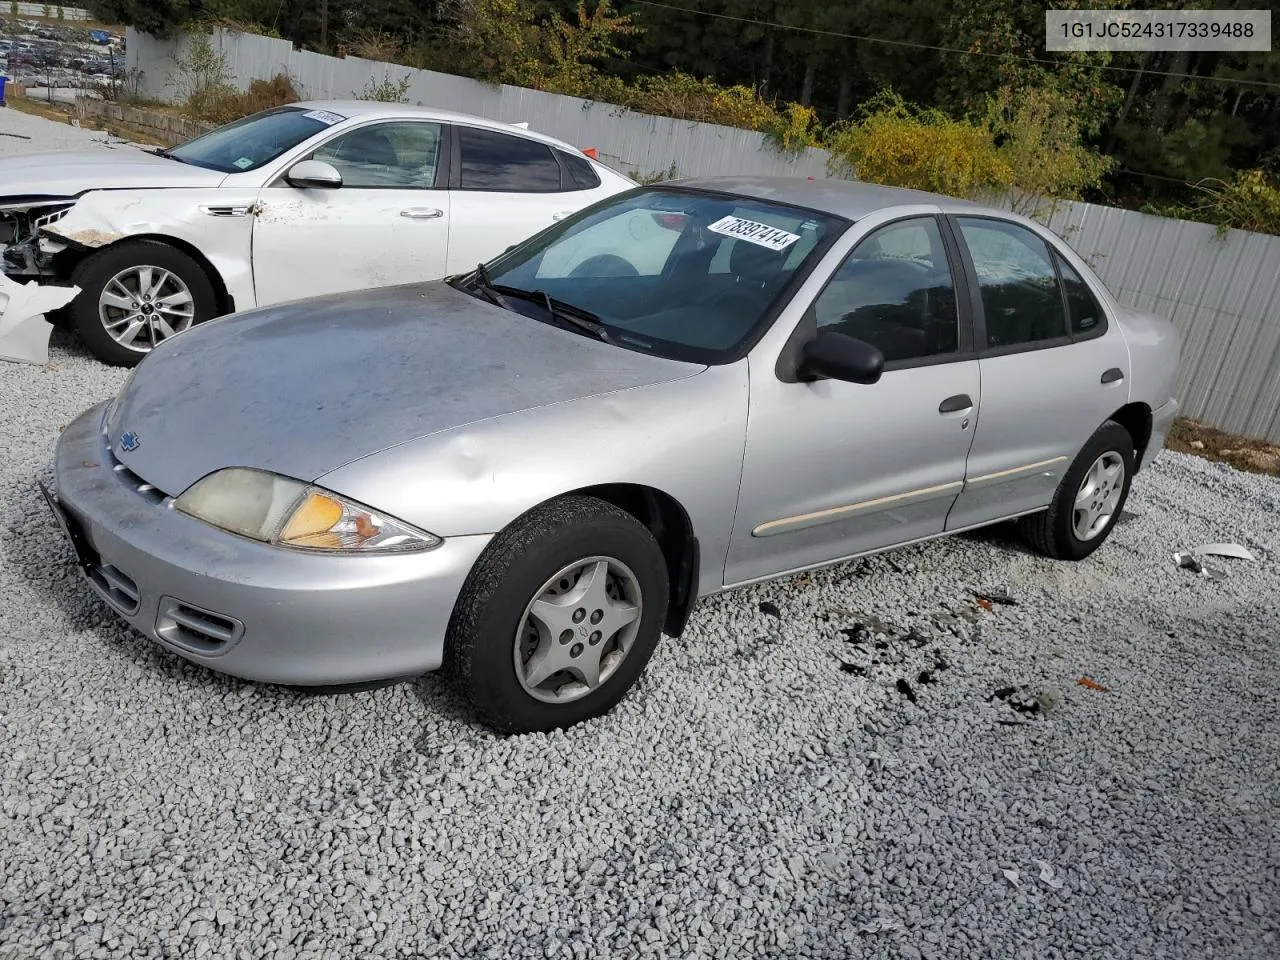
(24, 133)
(752, 798)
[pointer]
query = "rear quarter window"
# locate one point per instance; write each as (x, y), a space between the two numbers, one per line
(582, 175)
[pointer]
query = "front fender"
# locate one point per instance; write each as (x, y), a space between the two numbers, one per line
(684, 438)
(218, 224)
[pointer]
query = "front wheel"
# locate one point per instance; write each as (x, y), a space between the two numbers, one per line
(136, 294)
(558, 617)
(1089, 499)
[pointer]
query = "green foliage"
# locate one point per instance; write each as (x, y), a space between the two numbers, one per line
(1248, 201)
(895, 143)
(510, 41)
(386, 91)
(201, 78)
(1025, 145)
(204, 85)
(158, 17)
(659, 177)
(1040, 143)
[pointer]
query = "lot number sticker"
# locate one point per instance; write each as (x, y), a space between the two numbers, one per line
(753, 232)
(325, 117)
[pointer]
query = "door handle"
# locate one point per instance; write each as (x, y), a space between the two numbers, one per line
(956, 404)
(561, 215)
(1114, 375)
(421, 213)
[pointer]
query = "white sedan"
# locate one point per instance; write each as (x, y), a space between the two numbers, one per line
(307, 199)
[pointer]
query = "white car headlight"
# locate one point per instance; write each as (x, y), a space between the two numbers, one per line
(289, 513)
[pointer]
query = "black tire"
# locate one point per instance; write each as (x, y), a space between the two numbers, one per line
(1051, 532)
(480, 644)
(94, 273)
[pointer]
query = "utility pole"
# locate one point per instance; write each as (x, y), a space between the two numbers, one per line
(324, 26)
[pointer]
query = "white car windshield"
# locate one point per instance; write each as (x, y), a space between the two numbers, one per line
(683, 273)
(249, 143)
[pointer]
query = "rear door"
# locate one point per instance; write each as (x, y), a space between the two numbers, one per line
(1053, 368)
(505, 188)
(388, 223)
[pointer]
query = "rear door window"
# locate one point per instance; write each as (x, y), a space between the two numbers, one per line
(1022, 302)
(498, 162)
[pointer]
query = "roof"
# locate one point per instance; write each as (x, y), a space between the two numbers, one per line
(851, 199)
(375, 108)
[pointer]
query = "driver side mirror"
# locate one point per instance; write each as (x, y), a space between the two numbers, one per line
(313, 173)
(839, 356)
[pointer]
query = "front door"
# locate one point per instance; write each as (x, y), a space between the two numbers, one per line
(388, 223)
(1053, 370)
(833, 469)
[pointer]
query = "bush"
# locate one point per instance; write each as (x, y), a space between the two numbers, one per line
(1025, 146)
(388, 91)
(1039, 141)
(1248, 201)
(895, 143)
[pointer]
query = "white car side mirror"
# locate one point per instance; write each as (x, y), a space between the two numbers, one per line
(313, 173)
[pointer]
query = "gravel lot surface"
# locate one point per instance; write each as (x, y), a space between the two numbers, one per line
(23, 133)
(752, 798)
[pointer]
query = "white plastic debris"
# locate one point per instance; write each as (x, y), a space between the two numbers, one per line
(1193, 563)
(24, 332)
(1224, 550)
(1047, 874)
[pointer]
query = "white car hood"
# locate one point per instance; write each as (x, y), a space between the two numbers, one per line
(70, 173)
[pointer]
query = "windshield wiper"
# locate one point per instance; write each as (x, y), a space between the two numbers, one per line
(486, 287)
(577, 317)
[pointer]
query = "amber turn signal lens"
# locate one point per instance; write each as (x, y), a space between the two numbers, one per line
(316, 515)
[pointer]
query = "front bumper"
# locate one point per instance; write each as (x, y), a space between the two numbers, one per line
(24, 331)
(246, 608)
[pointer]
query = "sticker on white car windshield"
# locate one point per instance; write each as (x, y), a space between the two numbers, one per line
(244, 163)
(325, 117)
(753, 232)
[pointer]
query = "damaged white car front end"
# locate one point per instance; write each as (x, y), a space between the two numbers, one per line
(29, 287)
(297, 201)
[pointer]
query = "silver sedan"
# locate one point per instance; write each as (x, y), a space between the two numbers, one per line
(529, 472)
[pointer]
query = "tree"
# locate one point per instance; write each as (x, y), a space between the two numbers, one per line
(157, 17)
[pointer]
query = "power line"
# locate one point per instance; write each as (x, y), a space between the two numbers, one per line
(964, 53)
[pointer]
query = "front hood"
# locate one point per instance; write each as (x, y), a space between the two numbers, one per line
(70, 173)
(304, 387)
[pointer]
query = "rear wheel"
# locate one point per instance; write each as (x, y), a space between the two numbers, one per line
(136, 294)
(559, 616)
(1089, 499)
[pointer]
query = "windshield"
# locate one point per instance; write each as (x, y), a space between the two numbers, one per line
(683, 273)
(249, 143)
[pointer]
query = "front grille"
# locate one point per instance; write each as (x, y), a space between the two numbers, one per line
(53, 216)
(192, 628)
(116, 585)
(133, 481)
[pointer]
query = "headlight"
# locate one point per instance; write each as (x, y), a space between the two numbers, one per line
(288, 513)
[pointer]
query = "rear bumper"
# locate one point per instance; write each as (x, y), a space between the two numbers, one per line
(245, 608)
(1161, 421)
